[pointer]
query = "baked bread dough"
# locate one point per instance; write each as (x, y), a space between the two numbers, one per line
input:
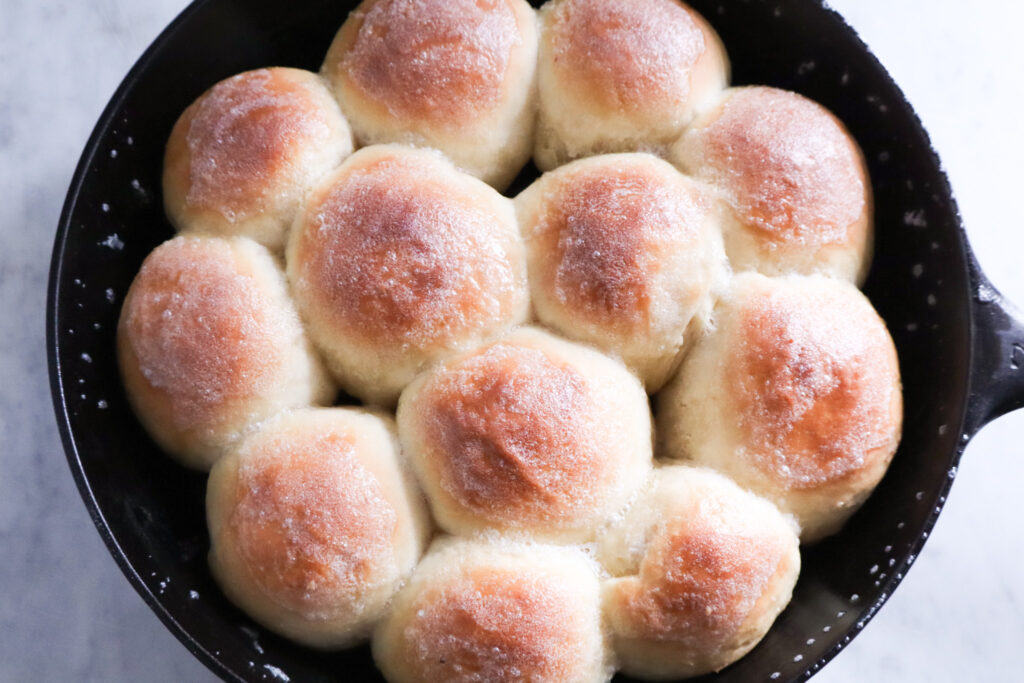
(621, 76)
(496, 611)
(209, 344)
(398, 260)
(623, 252)
(701, 569)
(455, 75)
(241, 158)
(795, 395)
(528, 435)
(794, 185)
(314, 524)
(413, 279)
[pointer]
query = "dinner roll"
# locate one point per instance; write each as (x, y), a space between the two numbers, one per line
(529, 434)
(242, 156)
(793, 181)
(209, 343)
(701, 569)
(314, 525)
(795, 395)
(456, 75)
(621, 76)
(397, 260)
(496, 611)
(622, 253)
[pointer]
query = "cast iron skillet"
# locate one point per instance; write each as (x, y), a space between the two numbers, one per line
(960, 345)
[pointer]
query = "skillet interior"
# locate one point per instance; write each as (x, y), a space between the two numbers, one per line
(150, 511)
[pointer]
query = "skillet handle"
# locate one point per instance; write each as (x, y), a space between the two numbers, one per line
(997, 365)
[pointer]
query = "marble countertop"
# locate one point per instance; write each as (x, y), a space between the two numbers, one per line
(67, 613)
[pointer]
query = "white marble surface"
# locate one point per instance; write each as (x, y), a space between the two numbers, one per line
(66, 613)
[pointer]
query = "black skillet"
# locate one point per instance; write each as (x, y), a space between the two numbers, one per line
(960, 345)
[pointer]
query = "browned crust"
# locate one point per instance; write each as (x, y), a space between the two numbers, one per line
(440, 62)
(815, 381)
(626, 56)
(491, 624)
(394, 251)
(602, 234)
(310, 522)
(199, 337)
(230, 149)
(788, 167)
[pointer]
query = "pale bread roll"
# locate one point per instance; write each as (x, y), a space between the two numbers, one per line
(397, 260)
(455, 75)
(529, 435)
(796, 395)
(622, 76)
(496, 611)
(241, 158)
(209, 343)
(623, 252)
(314, 524)
(793, 181)
(701, 570)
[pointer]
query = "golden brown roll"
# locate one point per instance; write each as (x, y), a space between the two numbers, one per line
(242, 156)
(398, 260)
(622, 253)
(496, 611)
(795, 395)
(793, 181)
(701, 570)
(528, 435)
(209, 343)
(455, 75)
(621, 76)
(314, 525)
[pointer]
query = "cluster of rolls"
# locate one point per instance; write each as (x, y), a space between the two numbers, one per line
(509, 519)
